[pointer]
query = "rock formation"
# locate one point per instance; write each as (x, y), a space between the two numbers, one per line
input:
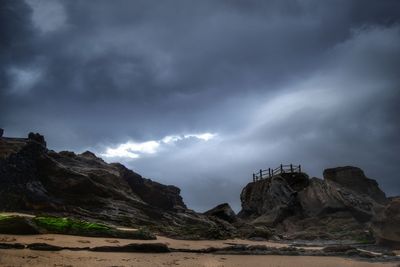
(34, 179)
(354, 179)
(268, 201)
(223, 212)
(340, 206)
(343, 205)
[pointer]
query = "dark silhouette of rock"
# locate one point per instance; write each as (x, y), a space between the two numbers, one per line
(224, 212)
(12, 246)
(37, 138)
(135, 247)
(386, 224)
(162, 196)
(353, 178)
(44, 247)
(35, 179)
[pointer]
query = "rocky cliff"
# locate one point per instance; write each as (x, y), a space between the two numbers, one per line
(344, 205)
(34, 179)
(341, 206)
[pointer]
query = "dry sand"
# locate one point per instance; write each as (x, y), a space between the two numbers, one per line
(84, 258)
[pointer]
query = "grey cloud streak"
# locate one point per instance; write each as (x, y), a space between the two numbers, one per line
(312, 82)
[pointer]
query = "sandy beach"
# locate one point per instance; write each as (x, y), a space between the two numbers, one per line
(85, 258)
(64, 258)
(81, 241)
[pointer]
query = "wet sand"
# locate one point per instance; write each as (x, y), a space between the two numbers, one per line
(81, 241)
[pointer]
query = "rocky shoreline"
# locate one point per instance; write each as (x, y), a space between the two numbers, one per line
(345, 214)
(355, 252)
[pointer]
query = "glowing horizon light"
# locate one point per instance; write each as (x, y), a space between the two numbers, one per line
(132, 149)
(135, 150)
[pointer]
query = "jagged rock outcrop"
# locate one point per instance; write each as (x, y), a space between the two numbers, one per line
(323, 197)
(35, 179)
(386, 224)
(269, 201)
(353, 178)
(290, 205)
(223, 212)
(340, 206)
(156, 194)
(343, 189)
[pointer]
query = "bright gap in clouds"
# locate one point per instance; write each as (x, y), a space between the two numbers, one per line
(134, 150)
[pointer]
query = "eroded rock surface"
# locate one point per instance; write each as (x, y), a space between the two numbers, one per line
(38, 180)
(340, 206)
(292, 206)
(353, 178)
(387, 224)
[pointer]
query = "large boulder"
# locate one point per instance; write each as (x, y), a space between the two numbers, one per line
(353, 178)
(224, 212)
(386, 224)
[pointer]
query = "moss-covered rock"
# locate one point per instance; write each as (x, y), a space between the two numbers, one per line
(70, 226)
(63, 225)
(11, 224)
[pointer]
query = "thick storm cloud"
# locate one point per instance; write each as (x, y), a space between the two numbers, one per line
(200, 94)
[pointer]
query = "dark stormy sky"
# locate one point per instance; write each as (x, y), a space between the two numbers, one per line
(200, 94)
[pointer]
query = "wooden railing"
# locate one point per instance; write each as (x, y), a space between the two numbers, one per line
(268, 173)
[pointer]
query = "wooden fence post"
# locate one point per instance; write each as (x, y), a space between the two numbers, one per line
(291, 168)
(281, 168)
(269, 172)
(254, 177)
(299, 168)
(260, 174)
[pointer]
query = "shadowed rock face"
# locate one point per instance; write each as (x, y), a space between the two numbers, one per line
(387, 224)
(35, 179)
(268, 201)
(341, 205)
(354, 179)
(323, 197)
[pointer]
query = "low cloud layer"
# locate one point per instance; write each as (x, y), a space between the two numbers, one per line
(268, 82)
